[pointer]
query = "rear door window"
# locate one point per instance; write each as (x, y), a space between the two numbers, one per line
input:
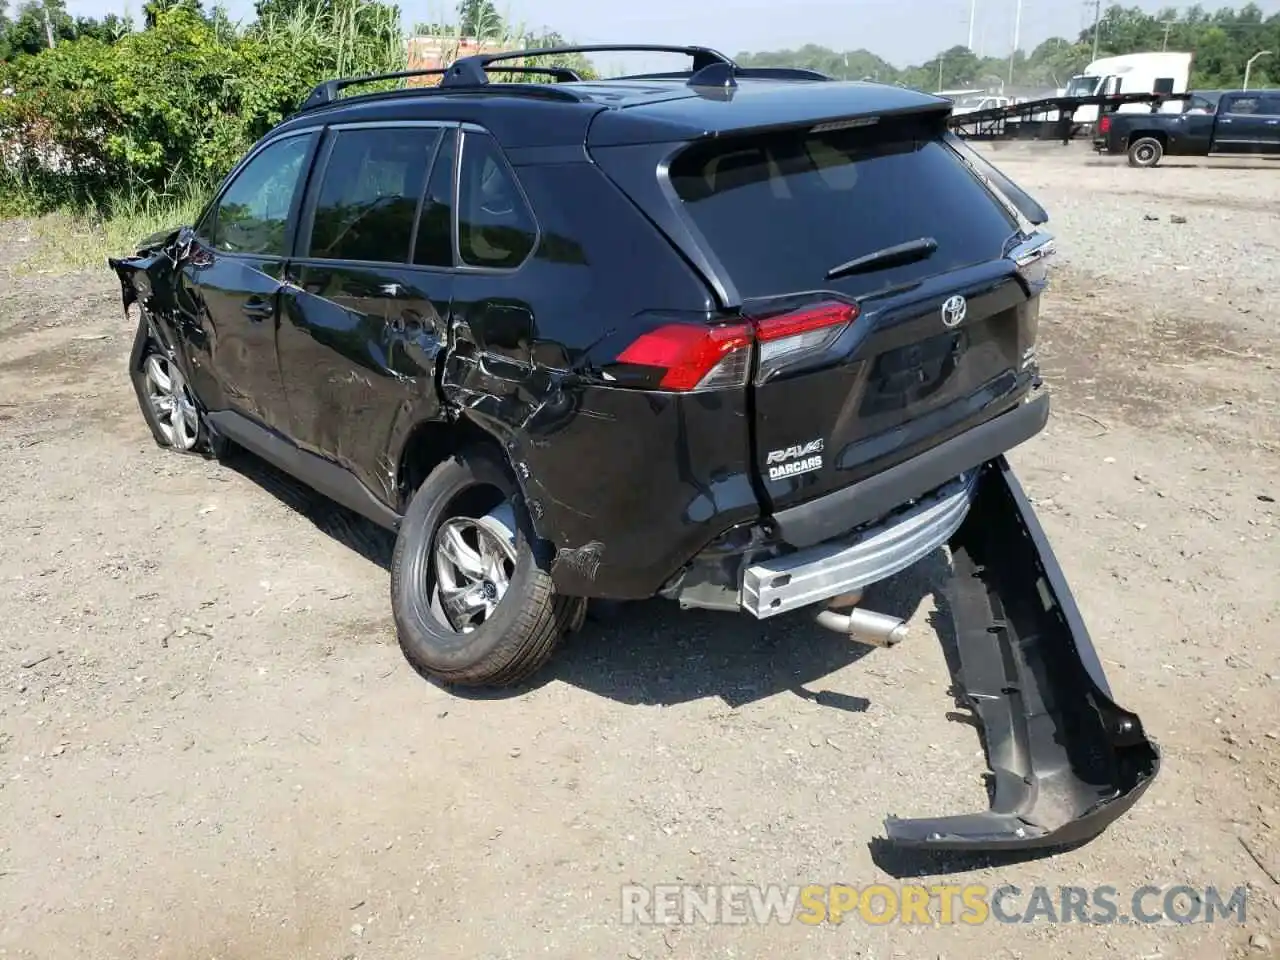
(1242, 105)
(434, 244)
(779, 211)
(369, 195)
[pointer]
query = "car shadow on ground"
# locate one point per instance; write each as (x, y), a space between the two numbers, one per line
(653, 653)
(346, 526)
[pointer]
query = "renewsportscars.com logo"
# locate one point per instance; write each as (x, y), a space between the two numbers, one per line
(935, 904)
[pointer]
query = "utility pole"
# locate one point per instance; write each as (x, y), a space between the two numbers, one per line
(48, 25)
(1168, 25)
(973, 15)
(1097, 22)
(1017, 29)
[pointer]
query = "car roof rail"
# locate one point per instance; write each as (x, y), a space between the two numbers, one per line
(755, 73)
(710, 68)
(327, 91)
(702, 56)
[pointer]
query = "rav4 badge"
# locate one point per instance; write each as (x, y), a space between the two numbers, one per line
(790, 461)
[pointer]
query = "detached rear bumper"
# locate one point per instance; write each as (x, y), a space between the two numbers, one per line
(1067, 761)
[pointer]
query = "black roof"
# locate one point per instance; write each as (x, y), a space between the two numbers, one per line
(713, 98)
(630, 111)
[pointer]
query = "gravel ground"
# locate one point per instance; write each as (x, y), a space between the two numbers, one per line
(210, 745)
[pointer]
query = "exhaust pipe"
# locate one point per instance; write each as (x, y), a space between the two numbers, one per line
(864, 626)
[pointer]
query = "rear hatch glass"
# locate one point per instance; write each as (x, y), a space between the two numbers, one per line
(779, 211)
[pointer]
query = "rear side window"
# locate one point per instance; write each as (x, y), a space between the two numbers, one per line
(495, 226)
(780, 211)
(1243, 105)
(369, 196)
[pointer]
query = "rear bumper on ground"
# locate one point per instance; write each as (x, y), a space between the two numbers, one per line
(1066, 760)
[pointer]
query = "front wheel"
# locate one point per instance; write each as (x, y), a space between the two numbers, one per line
(1145, 152)
(165, 398)
(471, 604)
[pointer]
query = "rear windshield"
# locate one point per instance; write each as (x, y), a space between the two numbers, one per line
(780, 211)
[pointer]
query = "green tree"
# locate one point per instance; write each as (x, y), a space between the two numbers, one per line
(480, 19)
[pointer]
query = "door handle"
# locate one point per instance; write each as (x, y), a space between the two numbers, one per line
(256, 309)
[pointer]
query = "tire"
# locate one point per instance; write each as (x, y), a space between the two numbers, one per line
(166, 400)
(473, 496)
(1145, 152)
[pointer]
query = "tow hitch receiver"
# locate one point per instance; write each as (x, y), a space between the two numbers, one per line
(1066, 760)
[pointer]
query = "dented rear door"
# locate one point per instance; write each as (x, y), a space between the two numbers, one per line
(362, 324)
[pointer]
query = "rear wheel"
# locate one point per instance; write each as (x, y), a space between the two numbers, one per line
(472, 606)
(1145, 152)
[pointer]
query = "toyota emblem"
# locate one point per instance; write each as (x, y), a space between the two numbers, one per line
(953, 311)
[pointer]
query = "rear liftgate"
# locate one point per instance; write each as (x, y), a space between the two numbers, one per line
(1067, 761)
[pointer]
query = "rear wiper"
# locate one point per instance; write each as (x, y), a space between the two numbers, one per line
(894, 256)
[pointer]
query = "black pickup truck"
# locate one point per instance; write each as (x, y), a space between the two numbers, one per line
(1229, 122)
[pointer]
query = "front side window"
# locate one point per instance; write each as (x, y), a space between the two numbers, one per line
(369, 195)
(253, 215)
(1082, 87)
(495, 226)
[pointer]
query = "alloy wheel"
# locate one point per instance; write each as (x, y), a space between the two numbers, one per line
(172, 402)
(475, 559)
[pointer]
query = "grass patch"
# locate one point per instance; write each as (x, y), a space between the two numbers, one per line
(69, 238)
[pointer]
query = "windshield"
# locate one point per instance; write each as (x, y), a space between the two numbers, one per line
(1082, 86)
(970, 99)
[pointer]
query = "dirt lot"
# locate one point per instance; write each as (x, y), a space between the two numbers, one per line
(210, 745)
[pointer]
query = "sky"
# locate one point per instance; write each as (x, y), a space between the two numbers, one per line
(901, 31)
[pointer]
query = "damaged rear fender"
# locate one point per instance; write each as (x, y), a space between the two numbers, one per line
(1066, 759)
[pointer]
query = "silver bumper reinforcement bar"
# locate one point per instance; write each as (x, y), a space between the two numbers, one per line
(875, 553)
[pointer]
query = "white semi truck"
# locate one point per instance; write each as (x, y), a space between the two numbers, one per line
(1159, 72)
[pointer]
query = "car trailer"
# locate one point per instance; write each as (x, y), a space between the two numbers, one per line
(1050, 118)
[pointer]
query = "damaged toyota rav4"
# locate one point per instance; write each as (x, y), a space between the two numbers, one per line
(750, 340)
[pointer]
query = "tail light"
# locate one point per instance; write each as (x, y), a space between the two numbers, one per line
(695, 357)
(789, 337)
(1104, 125)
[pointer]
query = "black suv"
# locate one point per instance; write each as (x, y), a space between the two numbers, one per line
(748, 339)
